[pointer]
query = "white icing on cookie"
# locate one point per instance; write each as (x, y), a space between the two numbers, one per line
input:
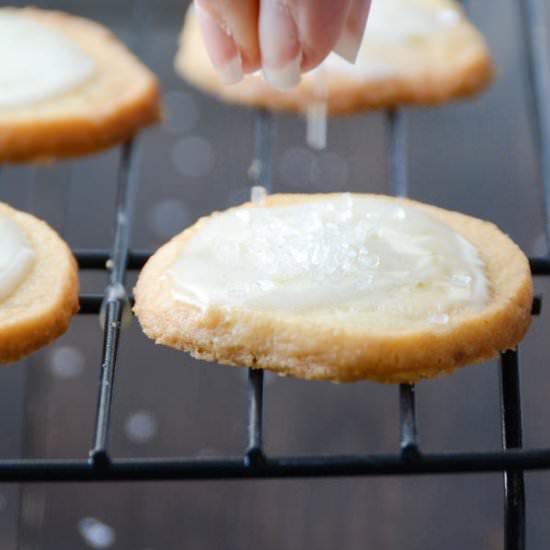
(400, 20)
(345, 255)
(37, 62)
(16, 256)
(393, 23)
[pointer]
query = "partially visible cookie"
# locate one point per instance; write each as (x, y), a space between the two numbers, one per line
(338, 287)
(38, 284)
(67, 87)
(414, 52)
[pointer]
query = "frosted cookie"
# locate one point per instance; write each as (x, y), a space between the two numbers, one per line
(338, 287)
(413, 52)
(38, 284)
(67, 87)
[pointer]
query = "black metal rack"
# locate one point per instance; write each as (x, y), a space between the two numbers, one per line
(254, 463)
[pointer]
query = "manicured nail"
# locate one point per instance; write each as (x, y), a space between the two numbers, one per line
(280, 45)
(285, 77)
(221, 46)
(348, 45)
(231, 72)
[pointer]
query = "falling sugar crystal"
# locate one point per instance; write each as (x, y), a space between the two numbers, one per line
(258, 194)
(317, 125)
(316, 115)
(255, 169)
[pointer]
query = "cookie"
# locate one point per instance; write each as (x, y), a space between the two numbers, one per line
(338, 287)
(38, 284)
(414, 52)
(68, 87)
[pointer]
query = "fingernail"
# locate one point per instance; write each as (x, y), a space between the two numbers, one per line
(231, 72)
(221, 46)
(348, 45)
(280, 45)
(286, 77)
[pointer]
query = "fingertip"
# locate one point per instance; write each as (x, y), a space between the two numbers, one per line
(321, 24)
(229, 29)
(349, 42)
(285, 77)
(347, 46)
(220, 45)
(280, 44)
(250, 62)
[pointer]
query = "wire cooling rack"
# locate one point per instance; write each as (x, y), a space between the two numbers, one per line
(114, 304)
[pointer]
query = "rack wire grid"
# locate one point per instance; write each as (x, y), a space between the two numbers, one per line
(114, 305)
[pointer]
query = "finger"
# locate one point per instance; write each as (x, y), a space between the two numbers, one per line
(349, 43)
(297, 35)
(230, 31)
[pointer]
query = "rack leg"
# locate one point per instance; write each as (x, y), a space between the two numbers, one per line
(398, 165)
(409, 442)
(514, 490)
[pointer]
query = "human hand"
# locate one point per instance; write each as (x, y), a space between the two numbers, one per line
(283, 37)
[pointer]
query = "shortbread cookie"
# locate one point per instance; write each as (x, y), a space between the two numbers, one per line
(338, 287)
(420, 52)
(38, 284)
(67, 87)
